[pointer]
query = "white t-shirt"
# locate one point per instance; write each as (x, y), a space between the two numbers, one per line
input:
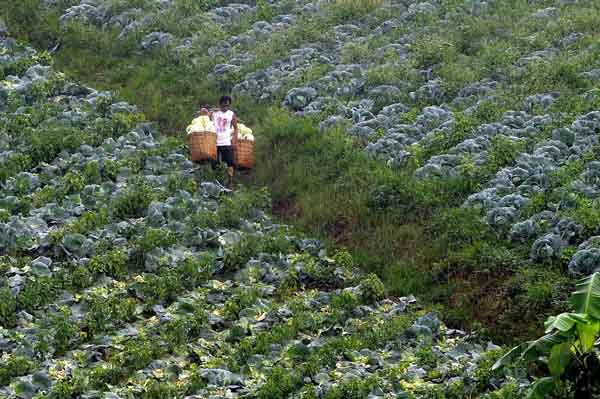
(222, 121)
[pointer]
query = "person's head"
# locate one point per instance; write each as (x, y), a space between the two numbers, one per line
(224, 103)
(204, 111)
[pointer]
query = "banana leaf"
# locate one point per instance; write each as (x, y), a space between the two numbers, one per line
(586, 299)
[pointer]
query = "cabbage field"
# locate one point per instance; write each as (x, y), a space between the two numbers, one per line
(130, 272)
(427, 183)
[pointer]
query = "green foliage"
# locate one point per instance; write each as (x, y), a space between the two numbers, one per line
(372, 289)
(158, 390)
(14, 366)
(15, 164)
(356, 388)
(502, 152)
(72, 183)
(162, 286)
(264, 12)
(36, 293)
(124, 122)
(64, 331)
(239, 254)
(344, 259)
(155, 238)
(133, 202)
(92, 172)
(113, 263)
(105, 373)
(344, 302)
(22, 16)
(138, 353)
(586, 212)
(280, 383)
(240, 300)
(463, 128)
(106, 311)
(178, 333)
(345, 10)
(196, 271)
(434, 50)
(8, 308)
(188, 8)
(89, 221)
(277, 242)
(81, 277)
(243, 204)
(354, 53)
(568, 346)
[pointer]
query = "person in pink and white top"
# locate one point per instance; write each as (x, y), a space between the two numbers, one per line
(226, 125)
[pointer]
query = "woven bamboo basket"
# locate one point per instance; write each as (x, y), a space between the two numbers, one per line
(203, 146)
(244, 154)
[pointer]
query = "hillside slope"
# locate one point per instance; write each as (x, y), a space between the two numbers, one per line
(471, 123)
(128, 272)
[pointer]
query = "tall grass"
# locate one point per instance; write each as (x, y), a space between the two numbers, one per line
(347, 10)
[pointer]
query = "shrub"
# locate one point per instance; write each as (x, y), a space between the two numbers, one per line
(124, 122)
(156, 238)
(138, 353)
(372, 289)
(433, 50)
(240, 300)
(161, 287)
(264, 12)
(92, 173)
(72, 183)
(36, 293)
(113, 263)
(346, 10)
(344, 259)
(14, 366)
(14, 165)
(88, 222)
(502, 152)
(158, 390)
(195, 271)
(346, 301)
(8, 308)
(280, 383)
(277, 243)
(105, 311)
(239, 254)
(353, 53)
(64, 331)
(133, 202)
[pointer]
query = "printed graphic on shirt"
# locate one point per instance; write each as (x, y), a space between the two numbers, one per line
(223, 127)
(221, 124)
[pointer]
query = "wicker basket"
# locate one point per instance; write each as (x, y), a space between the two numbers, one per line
(244, 154)
(203, 146)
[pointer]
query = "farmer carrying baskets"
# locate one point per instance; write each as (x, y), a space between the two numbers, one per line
(218, 137)
(227, 134)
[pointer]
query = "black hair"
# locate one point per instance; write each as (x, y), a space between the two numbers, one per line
(225, 100)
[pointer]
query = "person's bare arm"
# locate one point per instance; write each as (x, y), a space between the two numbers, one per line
(234, 122)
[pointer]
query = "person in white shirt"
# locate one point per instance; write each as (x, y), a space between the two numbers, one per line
(226, 126)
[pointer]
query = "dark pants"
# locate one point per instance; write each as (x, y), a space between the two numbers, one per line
(226, 154)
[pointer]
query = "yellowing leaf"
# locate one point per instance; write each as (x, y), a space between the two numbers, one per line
(261, 317)
(158, 373)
